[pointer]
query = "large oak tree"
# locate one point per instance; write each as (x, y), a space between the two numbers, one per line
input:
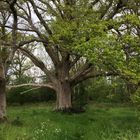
(81, 37)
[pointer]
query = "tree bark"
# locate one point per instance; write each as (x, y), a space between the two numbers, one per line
(2, 95)
(63, 87)
(2, 100)
(64, 93)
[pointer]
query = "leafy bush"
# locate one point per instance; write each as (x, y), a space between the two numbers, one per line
(80, 97)
(26, 95)
(102, 90)
(136, 97)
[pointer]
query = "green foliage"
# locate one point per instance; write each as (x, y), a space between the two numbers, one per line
(20, 96)
(19, 70)
(111, 44)
(80, 97)
(21, 79)
(136, 97)
(3, 6)
(106, 90)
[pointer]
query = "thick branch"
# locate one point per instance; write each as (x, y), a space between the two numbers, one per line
(81, 73)
(52, 53)
(91, 75)
(14, 33)
(14, 12)
(35, 60)
(38, 63)
(22, 43)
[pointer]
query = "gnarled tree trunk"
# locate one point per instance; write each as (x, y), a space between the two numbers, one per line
(64, 93)
(63, 87)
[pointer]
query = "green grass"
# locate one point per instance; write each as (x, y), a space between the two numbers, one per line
(99, 122)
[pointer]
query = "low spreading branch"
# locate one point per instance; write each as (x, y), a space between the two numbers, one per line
(30, 85)
(91, 75)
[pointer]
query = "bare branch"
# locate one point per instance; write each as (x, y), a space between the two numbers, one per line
(49, 85)
(40, 17)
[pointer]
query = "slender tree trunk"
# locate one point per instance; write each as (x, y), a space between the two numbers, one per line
(2, 95)
(64, 93)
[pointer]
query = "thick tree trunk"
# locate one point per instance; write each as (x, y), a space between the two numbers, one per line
(63, 87)
(2, 100)
(64, 92)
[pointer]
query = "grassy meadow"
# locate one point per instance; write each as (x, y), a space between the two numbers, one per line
(99, 122)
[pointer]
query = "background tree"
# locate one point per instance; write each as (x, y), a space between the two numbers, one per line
(19, 70)
(72, 30)
(6, 52)
(8, 47)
